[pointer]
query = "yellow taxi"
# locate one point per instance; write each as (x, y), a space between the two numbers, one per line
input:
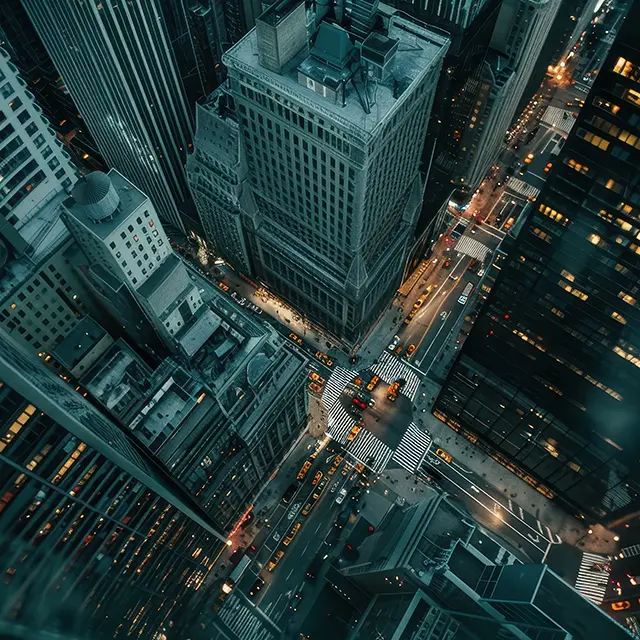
(548, 166)
(223, 286)
(315, 387)
(317, 377)
(529, 158)
(292, 534)
(445, 455)
(372, 383)
(323, 357)
(273, 563)
(317, 477)
(410, 350)
(304, 469)
(354, 432)
(295, 338)
(306, 510)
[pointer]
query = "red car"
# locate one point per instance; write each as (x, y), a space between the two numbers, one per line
(359, 403)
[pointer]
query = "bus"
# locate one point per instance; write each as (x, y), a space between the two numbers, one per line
(466, 292)
(236, 574)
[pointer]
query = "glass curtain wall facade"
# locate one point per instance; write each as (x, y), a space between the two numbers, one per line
(548, 380)
(117, 62)
(92, 532)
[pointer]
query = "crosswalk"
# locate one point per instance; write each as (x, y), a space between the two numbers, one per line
(412, 448)
(242, 621)
(340, 423)
(555, 117)
(369, 450)
(522, 188)
(471, 247)
(592, 582)
(335, 385)
(389, 368)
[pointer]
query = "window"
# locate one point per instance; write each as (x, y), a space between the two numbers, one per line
(576, 166)
(553, 214)
(619, 317)
(594, 238)
(627, 298)
(595, 140)
(627, 69)
(606, 105)
(6, 90)
(569, 276)
(631, 95)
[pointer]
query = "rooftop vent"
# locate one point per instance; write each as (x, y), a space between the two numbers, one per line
(96, 196)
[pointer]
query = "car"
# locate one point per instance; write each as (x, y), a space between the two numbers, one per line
(529, 158)
(399, 349)
(316, 565)
(356, 496)
(293, 532)
(335, 465)
(410, 350)
(304, 469)
(341, 496)
(394, 343)
(273, 563)
(447, 263)
(315, 387)
(343, 518)
(306, 510)
(257, 586)
(359, 403)
(295, 338)
(418, 303)
(548, 166)
(441, 453)
(392, 391)
(354, 432)
(290, 492)
(372, 383)
(317, 477)
(317, 377)
(323, 357)
(296, 598)
(223, 286)
(333, 536)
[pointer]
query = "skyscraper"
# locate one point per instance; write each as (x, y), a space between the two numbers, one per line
(92, 522)
(455, 108)
(548, 379)
(117, 62)
(332, 136)
(520, 33)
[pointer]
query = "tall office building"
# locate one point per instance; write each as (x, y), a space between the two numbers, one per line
(118, 229)
(99, 540)
(432, 573)
(548, 378)
(519, 36)
(41, 298)
(29, 54)
(332, 135)
(117, 62)
(455, 110)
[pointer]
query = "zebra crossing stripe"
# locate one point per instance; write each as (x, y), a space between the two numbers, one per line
(471, 247)
(340, 423)
(522, 188)
(412, 449)
(390, 368)
(242, 621)
(367, 446)
(555, 117)
(335, 385)
(592, 583)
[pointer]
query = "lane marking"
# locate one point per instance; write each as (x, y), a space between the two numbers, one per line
(493, 498)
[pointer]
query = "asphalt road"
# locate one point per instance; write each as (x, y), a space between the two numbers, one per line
(529, 538)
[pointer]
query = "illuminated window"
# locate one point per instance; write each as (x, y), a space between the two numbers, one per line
(606, 105)
(581, 168)
(627, 298)
(619, 317)
(559, 313)
(595, 140)
(574, 292)
(627, 356)
(631, 95)
(553, 214)
(626, 208)
(627, 69)
(543, 235)
(569, 276)
(629, 138)
(594, 238)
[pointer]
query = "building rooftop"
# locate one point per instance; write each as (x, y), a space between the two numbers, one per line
(131, 199)
(78, 342)
(198, 332)
(419, 52)
(165, 284)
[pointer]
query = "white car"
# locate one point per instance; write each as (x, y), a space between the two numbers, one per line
(341, 496)
(394, 343)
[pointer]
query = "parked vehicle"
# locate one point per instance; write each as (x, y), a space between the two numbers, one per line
(341, 496)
